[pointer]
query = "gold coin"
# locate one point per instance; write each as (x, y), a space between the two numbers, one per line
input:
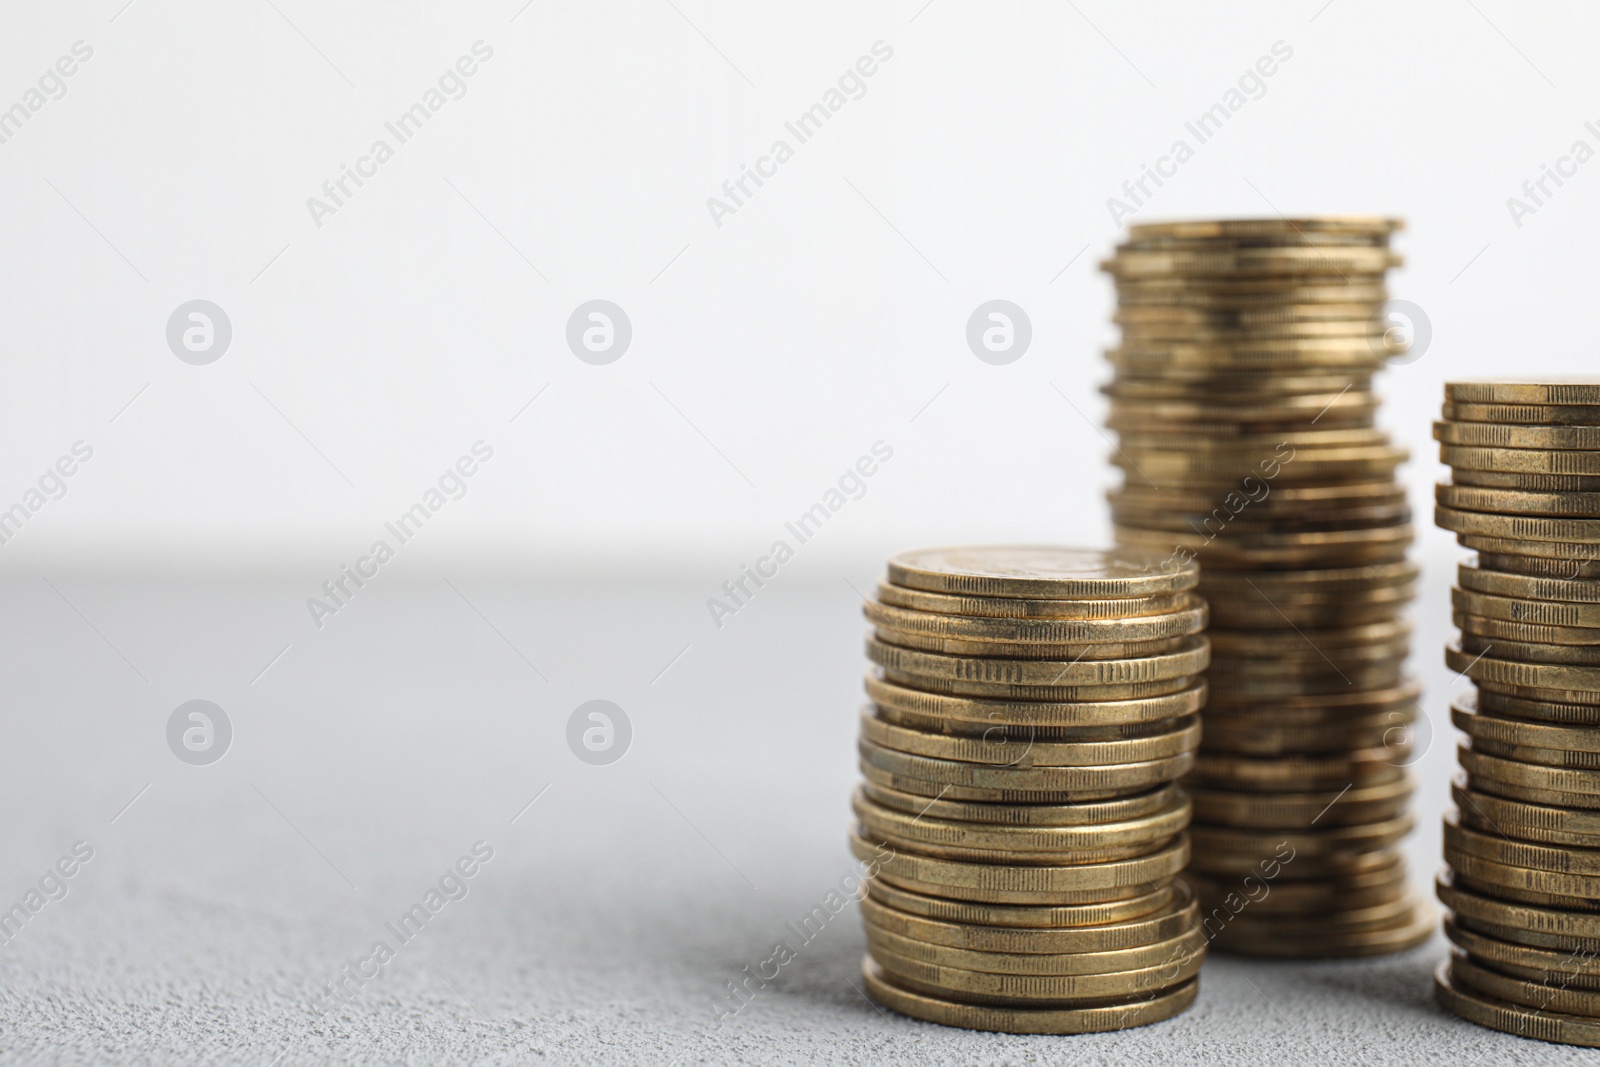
(929, 789)
(1089, 813)
(1332, 945)
(1375, 545)
(1564, 551)
(1234, 691)
(1242, 319)
(1521, 633)
(1030, 917)
(1336, 704)
(1373, 226)
(1494, 986)
(997, 607)
(1530, 651)
(1538, 567)
(1552, 798)
(898, 698)
(1255, 444)
(1533, 775)
(1466, 904)
(1533, 879)
(882, 823)
(1009, 858)
(1510, 672)
(1284, 501)
(1017, 747)
(1580, 969)
(1485, 726)
(1355, 837)
(1548, 757)
(1499, 435)
(1533, 692)
(887, 945)
(1043, 571)
(1333, 581)
(1019, 990)
(1126, 413)
(1519, 527)
(1539, 483)
(1329, 867)
(1190, 619)
(1483, 580)
(1215, 388)
(1026, 650)
(1575, 391)
(1163, 924)
(1543, 711)
(1518, 502)
(1509, 1018)
(1068, 781)
(1520, 460)
(1027, 884)
(1053, 693)
(1374, 766)
(1189, 660)
(1374, 885)
(1282, 260)
(1300, 811)
(1256, 735)
(1140, 1011)
(1524, 414)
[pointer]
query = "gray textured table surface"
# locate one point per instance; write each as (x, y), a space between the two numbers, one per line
(374, 753)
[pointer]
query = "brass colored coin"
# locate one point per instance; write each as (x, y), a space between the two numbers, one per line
(1367, 767)
(1541, 997)
(1164, 924)
(1286, 500)
(1356, 837)
(1255, 735)
(1532, 652)
(929, 789)
(1520, 460)
(1533, 775)
(1283, 260)
(1032, 918)
(1509, 672)
(1520, 527)
(1151, 358)
(1335, 707)
(1509, 1018)
(1213, 388)
(1564, 551)
(1372, 886)
(1188, 661)
(1232, 691)
(1324, 868)
(1539, 567)
(1026, 650)
(887, 945)
(1300, 811)
(1088, 813)
(989, 691)
(882, 823)
(888, 695)
(1550, 798)
(1127, 414)
(1016, 747)
(1023, 990)
(1486, 726)
(1525, 414)
(1190, 619)
(1530, 938)
(1543, 711)
(1548, 757)
(1537, 483)
(1067, 781)
(1256, 529)
(1335, 944)
(1375, 545)
(999, 607)
(1575, 391)
(1494, 873)
(1518, 502)
(1031, 884)
(1140, 1011)
(1277, 655)
(1008, 858)
(1466, 904)
(1578, 969)
(1521, 633)
(1385, 915)
(1246, 318)
(1523, 587)
(1163, 293)
(1501, 435)
(1277, 227)
(1262, 644)
(1255, 445)
(1043, 571)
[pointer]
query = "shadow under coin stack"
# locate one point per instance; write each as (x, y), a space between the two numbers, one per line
(1523, 845)
(1031, 710)
(1243, 399)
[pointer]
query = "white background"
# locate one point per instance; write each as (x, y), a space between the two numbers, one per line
(792, 337)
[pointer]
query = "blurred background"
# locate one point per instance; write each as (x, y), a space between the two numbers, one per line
(269, 366)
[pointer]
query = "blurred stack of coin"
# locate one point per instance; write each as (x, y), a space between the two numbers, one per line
(1523, 843)
(1243, 400)
(1031, 710)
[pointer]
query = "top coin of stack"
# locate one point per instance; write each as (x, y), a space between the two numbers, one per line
(1243, 399)
(1031, 709)
(1523, 845)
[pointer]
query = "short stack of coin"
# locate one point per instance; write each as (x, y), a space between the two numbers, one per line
(1523, 843)
(1243, 400)
(1032, 708)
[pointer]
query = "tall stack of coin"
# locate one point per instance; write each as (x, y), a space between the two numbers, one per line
(1243, 399)
(1031, 711)
(1523, 845)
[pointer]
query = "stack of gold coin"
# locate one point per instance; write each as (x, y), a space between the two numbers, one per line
(1242, 396)
(1031, 709)
(1523, 843)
